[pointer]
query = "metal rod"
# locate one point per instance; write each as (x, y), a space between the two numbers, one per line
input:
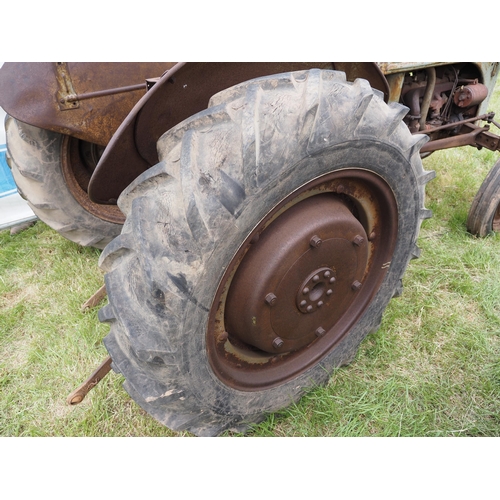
(488, 117)
(104, 93)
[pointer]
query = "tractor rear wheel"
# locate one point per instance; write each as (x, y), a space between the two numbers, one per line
(484, 213)
(52, 172)
(262, 249)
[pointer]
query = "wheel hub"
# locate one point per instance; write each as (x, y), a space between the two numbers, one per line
(299, 278)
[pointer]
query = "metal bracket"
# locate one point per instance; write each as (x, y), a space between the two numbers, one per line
(66, 92)
(78, 395)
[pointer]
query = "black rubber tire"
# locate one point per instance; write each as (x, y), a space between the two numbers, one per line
(484, 213)
(219, 175)
(35, 158)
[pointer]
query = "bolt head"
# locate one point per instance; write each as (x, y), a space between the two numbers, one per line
(309, 309)
(320, 332)
(305, 291)
(356, 286)
(315, 241)
(277, 342)
(271, 299)
(358, 240)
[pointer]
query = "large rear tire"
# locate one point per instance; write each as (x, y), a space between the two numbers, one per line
(52, 172)
(484, 213)
(262, 249)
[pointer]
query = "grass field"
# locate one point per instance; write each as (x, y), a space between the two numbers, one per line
(433, 368)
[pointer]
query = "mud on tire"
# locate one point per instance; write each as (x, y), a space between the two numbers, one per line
(312, 181)
(50, 172)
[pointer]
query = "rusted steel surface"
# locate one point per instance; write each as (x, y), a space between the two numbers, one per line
(41, 94)
(301, 279)
(183, 92)
(93, 301)
(79, 394)
(302, 301)
(470, 135)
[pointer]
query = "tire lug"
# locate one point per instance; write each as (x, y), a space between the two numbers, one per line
(315, 241)
(271, 299)
(358, 240)
(356, 286)
(277, 342)
(320, 332)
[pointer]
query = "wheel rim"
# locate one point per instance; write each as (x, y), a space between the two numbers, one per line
(79, 160)
(302, 279)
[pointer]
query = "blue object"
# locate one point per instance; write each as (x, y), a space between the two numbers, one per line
(7, 184)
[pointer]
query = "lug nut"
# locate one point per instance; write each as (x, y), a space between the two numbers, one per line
(356, 286)
(316, 279)
(315, 241)
(320, 303)
(305, 291)
(320, 332)
(309, 309)
(340, 188)
(271, 299)
(303, 303)
(277, 342)
(332, 280)
(327, 274)
(329, 292)
(358, 240)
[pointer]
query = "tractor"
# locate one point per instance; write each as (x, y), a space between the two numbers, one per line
(255, 219)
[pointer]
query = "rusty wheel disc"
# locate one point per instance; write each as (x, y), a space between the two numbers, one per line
(79, 160)
(302, 279)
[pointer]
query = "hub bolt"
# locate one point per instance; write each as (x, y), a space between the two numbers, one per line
(356, 286)
(320, 332)
(277, 342)
(358, 240)
(340, 188)
(315, 241)
(271, 299)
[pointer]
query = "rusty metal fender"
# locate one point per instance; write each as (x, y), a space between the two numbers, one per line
(183, 91)
(74, 98)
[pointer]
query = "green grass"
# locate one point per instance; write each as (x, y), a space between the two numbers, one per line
(432, 369)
